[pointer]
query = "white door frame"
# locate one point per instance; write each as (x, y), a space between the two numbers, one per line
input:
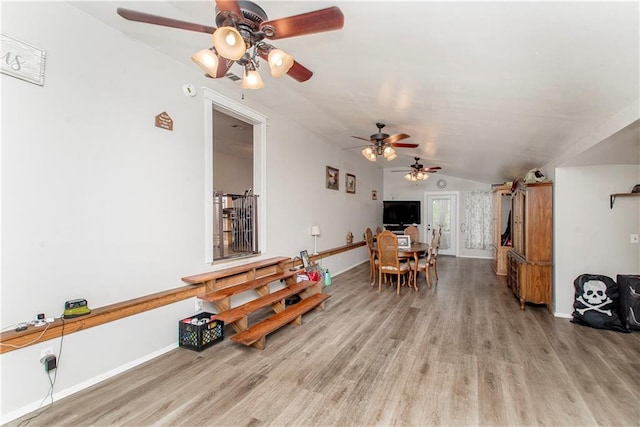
(214, 100)
(455, 219)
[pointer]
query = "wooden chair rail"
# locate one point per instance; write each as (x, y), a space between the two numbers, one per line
(12, 340)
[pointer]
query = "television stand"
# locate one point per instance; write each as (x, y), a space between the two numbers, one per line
(395, 228)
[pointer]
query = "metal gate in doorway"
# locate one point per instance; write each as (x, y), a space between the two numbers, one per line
(235, 225)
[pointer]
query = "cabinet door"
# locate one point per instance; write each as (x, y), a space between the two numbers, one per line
(538, 228)
(518, 221)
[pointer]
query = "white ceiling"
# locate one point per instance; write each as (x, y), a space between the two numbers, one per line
(488, 89)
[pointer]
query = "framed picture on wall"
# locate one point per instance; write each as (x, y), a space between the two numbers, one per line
(350, 183)
(333, 178)
(304, 255)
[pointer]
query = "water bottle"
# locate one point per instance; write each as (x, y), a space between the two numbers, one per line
(327, 277)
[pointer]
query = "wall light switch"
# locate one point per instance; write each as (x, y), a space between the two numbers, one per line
(635, 238)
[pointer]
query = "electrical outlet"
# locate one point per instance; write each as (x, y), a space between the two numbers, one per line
(198, 304)
(50, 363)
(635, 238)
(46, 352)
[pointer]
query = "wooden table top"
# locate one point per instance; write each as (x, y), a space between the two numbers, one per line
(416, 247)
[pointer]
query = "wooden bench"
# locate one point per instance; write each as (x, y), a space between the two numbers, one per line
(275, 300)
(222, 297)
(233, 275)
(255, 335)
(221, 285)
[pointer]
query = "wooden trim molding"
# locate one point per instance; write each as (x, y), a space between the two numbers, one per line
(12, 340)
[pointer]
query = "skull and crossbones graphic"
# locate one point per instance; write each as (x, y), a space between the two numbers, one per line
(594, 296)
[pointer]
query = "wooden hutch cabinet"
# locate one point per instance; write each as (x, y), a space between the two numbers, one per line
(501, 209)
(530, 261)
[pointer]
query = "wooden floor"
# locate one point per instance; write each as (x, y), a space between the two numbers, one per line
(459, 354)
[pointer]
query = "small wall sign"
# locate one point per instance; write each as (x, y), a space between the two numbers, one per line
(22, 60)
(164, 121)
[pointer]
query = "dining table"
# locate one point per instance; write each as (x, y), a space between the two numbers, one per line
(414, 251)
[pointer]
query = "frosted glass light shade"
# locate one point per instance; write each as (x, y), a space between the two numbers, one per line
(207, 60)
(389, 153)
(279, 62)
(251, 80)
(229, 43)
(369, 154)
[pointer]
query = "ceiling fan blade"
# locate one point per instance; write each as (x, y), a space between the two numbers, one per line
(364, 139)
(231, 6)
(223, 67)
(404, 145)
(317, 21)
(431, 169)
(133, 15)
(397, 137)
(299, 72)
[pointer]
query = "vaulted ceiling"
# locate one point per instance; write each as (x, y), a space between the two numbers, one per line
(488, 89)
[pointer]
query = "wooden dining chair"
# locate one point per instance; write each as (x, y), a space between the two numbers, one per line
(413, 232)
(434, 255)
(373, 256)
(388, 261)
(430, 258)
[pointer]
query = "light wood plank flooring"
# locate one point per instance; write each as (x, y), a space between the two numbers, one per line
(459, 354)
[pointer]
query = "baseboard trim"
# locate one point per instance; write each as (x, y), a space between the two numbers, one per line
(85, 384)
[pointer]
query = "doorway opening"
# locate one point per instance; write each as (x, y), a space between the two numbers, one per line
(442, 212)
(235, 139)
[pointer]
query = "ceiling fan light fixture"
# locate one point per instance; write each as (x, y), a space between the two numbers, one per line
(229, 43)
(416, 176)
(369, 154)
(207, 60)
(389, 153)
(280, 62)
(251, 80)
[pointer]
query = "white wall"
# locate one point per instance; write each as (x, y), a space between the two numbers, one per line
(230, 173)
(97, 203)
(397, 188)
(589, 236)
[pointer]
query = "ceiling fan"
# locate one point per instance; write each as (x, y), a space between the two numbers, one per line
(417, 171)
(242, 27)
(382, 144)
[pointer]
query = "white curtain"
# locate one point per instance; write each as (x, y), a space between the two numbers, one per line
(478, 217)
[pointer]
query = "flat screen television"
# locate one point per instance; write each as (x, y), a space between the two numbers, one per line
(401, 212)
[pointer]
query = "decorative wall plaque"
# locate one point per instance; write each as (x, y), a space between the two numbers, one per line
(22, 60)
(164, 121)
